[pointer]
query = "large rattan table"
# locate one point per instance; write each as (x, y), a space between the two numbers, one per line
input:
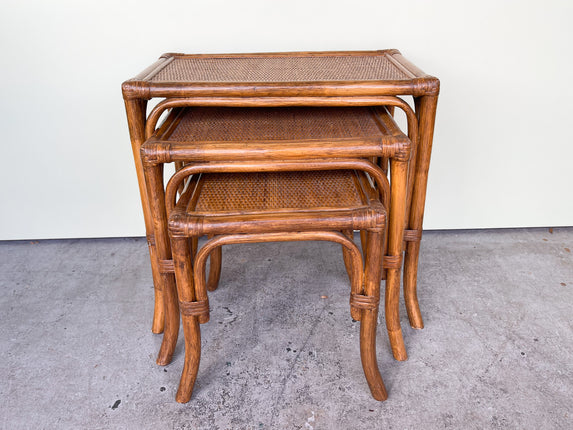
(363, 78)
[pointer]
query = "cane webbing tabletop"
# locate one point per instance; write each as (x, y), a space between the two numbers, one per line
(223, 193)
(231, 203)
(351, 73)
(209, 133)
(280, 69)
(236, 124)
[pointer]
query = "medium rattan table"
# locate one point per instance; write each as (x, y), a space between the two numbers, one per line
(359, 78)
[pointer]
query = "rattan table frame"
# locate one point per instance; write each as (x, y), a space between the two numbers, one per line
(226, 219)
(369, 90)
(373, 134)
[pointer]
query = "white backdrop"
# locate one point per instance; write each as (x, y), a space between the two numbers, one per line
(503, 142)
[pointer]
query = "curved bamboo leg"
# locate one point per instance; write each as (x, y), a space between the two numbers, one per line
(399, 172)
(215, 259)
(346, 254)
(182, 263)
(178, 166)
(192, 358)
(154, 176)
(135, 110)
(392, 298)
(171, 327)
(410, 285)
(369, 318)
(193, 245)
(368, 355)
(159, 307)
(363, 243)
(426, 112)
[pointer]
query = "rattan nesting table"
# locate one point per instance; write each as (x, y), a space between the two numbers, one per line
(301, 79)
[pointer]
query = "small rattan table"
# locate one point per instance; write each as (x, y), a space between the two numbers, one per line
(341, 79)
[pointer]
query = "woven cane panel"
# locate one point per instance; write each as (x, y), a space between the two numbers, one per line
(280, 69)
(238, 192)
(227, 124)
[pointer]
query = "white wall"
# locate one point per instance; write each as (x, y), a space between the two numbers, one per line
(502, 148)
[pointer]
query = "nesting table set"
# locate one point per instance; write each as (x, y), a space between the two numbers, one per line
(282, 147)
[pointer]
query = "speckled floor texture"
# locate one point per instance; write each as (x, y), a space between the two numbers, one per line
(281, 351)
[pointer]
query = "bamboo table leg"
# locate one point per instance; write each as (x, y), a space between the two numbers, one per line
(156, 194)
(368, 320)
(136, 110)
(392, 261)
(426, 112)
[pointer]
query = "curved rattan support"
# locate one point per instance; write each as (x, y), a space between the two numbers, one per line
(347, 263)
(363, 299)
(426, 113)
(278, 166)
(413, 135)
(215, 260)
(353, 255)
(155, 115)
(394, 101)
(368, 322)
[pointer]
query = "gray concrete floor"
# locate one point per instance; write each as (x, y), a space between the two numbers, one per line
(76, 350)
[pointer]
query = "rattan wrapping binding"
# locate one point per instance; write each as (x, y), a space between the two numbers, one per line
(194, 309)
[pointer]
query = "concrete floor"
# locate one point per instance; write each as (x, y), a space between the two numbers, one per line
(76, 350)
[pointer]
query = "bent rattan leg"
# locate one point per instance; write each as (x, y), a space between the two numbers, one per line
(363, 240)
(410, 287)
(369, 317)
(135, 110)
(192, 357)
(391, 307)
(171, 328)
(346, 254)
(426, 113)
(159, 307)
(215, 259)
(393, 259)
(154, 175)
(194, 245)
(183, 271)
